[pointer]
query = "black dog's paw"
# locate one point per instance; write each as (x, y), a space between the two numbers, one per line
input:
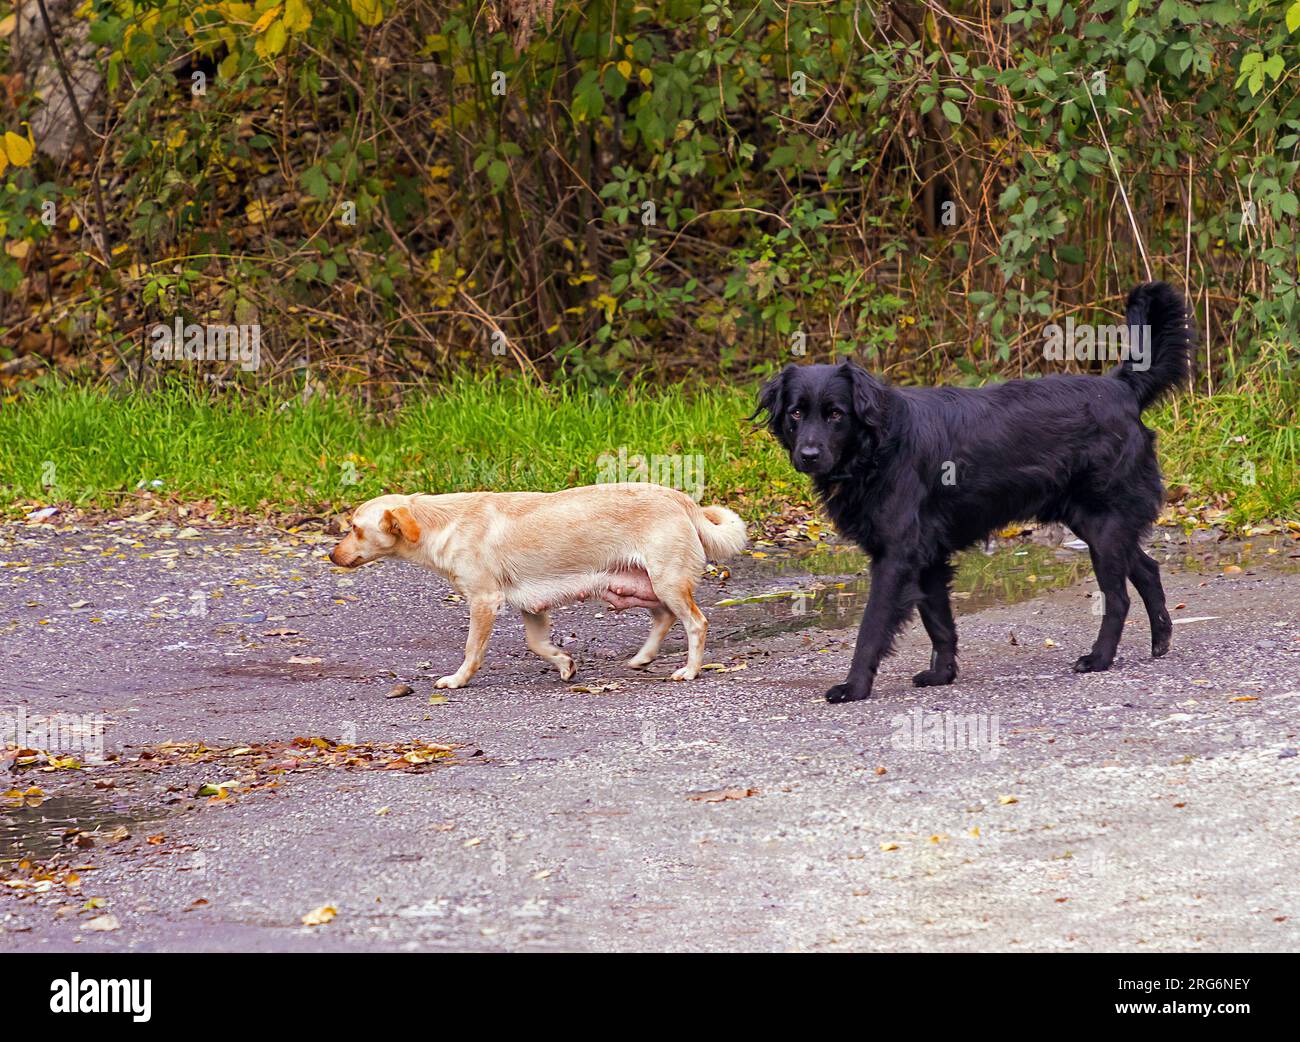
(1093, 663)
(846, 693)
(935, 677)
(1160, 643)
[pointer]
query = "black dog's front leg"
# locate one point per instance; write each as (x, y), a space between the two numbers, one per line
(894, 592)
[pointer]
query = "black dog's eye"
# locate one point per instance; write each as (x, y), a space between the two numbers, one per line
(835, 414)
(796, 414)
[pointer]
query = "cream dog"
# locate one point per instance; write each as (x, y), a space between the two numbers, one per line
(634, 545)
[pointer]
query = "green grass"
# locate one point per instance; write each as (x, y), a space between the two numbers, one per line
(1240, 445)
(261, 453)
(257, 453)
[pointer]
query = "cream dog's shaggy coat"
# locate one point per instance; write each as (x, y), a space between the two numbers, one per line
(634, 545)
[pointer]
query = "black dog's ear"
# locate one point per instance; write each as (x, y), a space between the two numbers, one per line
(870, 396)
(772, 400)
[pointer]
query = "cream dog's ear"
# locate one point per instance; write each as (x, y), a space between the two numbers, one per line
(400, 522)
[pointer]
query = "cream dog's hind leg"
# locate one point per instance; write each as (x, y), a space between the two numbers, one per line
(661, 622)
(537, 632)
(678, 596)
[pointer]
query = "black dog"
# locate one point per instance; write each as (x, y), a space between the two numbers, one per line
(914, 474)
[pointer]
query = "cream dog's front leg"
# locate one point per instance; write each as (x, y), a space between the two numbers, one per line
(482, 614)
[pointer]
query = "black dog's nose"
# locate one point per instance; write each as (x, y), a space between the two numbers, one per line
(809, 456)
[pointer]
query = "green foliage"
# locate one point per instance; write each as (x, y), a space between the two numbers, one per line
(666, 184)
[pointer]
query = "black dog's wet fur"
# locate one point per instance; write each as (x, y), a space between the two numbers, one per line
(915, 474)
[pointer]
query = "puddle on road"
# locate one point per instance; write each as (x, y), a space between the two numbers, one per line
(39, 832)
(828, 585)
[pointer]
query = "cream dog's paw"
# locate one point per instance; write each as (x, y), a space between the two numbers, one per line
(567, 669)
(685, 673)
(451, 681)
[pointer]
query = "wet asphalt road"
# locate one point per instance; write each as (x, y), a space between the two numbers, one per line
(1154, 807)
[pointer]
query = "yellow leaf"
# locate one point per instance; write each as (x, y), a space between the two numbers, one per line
(236, 12)
(320, 916)
(888, 846)
(266, 19)
(368, 12)
(646, 76)
(17, 248)
(272, 42)
(7, 24)
(229, 67)
(256, 211)
(18, 149)
(607, 303)
(296, 15)
(625, 69)
(4, 161)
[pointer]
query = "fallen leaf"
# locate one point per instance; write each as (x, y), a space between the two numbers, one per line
(720, 795)
(320, 916)
(102, 924)
(400, 691)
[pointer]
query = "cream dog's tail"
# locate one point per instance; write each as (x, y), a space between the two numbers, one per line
(720, 530)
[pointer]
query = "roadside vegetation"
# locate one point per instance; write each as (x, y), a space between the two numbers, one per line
(484, 242)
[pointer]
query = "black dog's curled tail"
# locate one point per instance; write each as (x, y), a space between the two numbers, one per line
(1161, 336)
